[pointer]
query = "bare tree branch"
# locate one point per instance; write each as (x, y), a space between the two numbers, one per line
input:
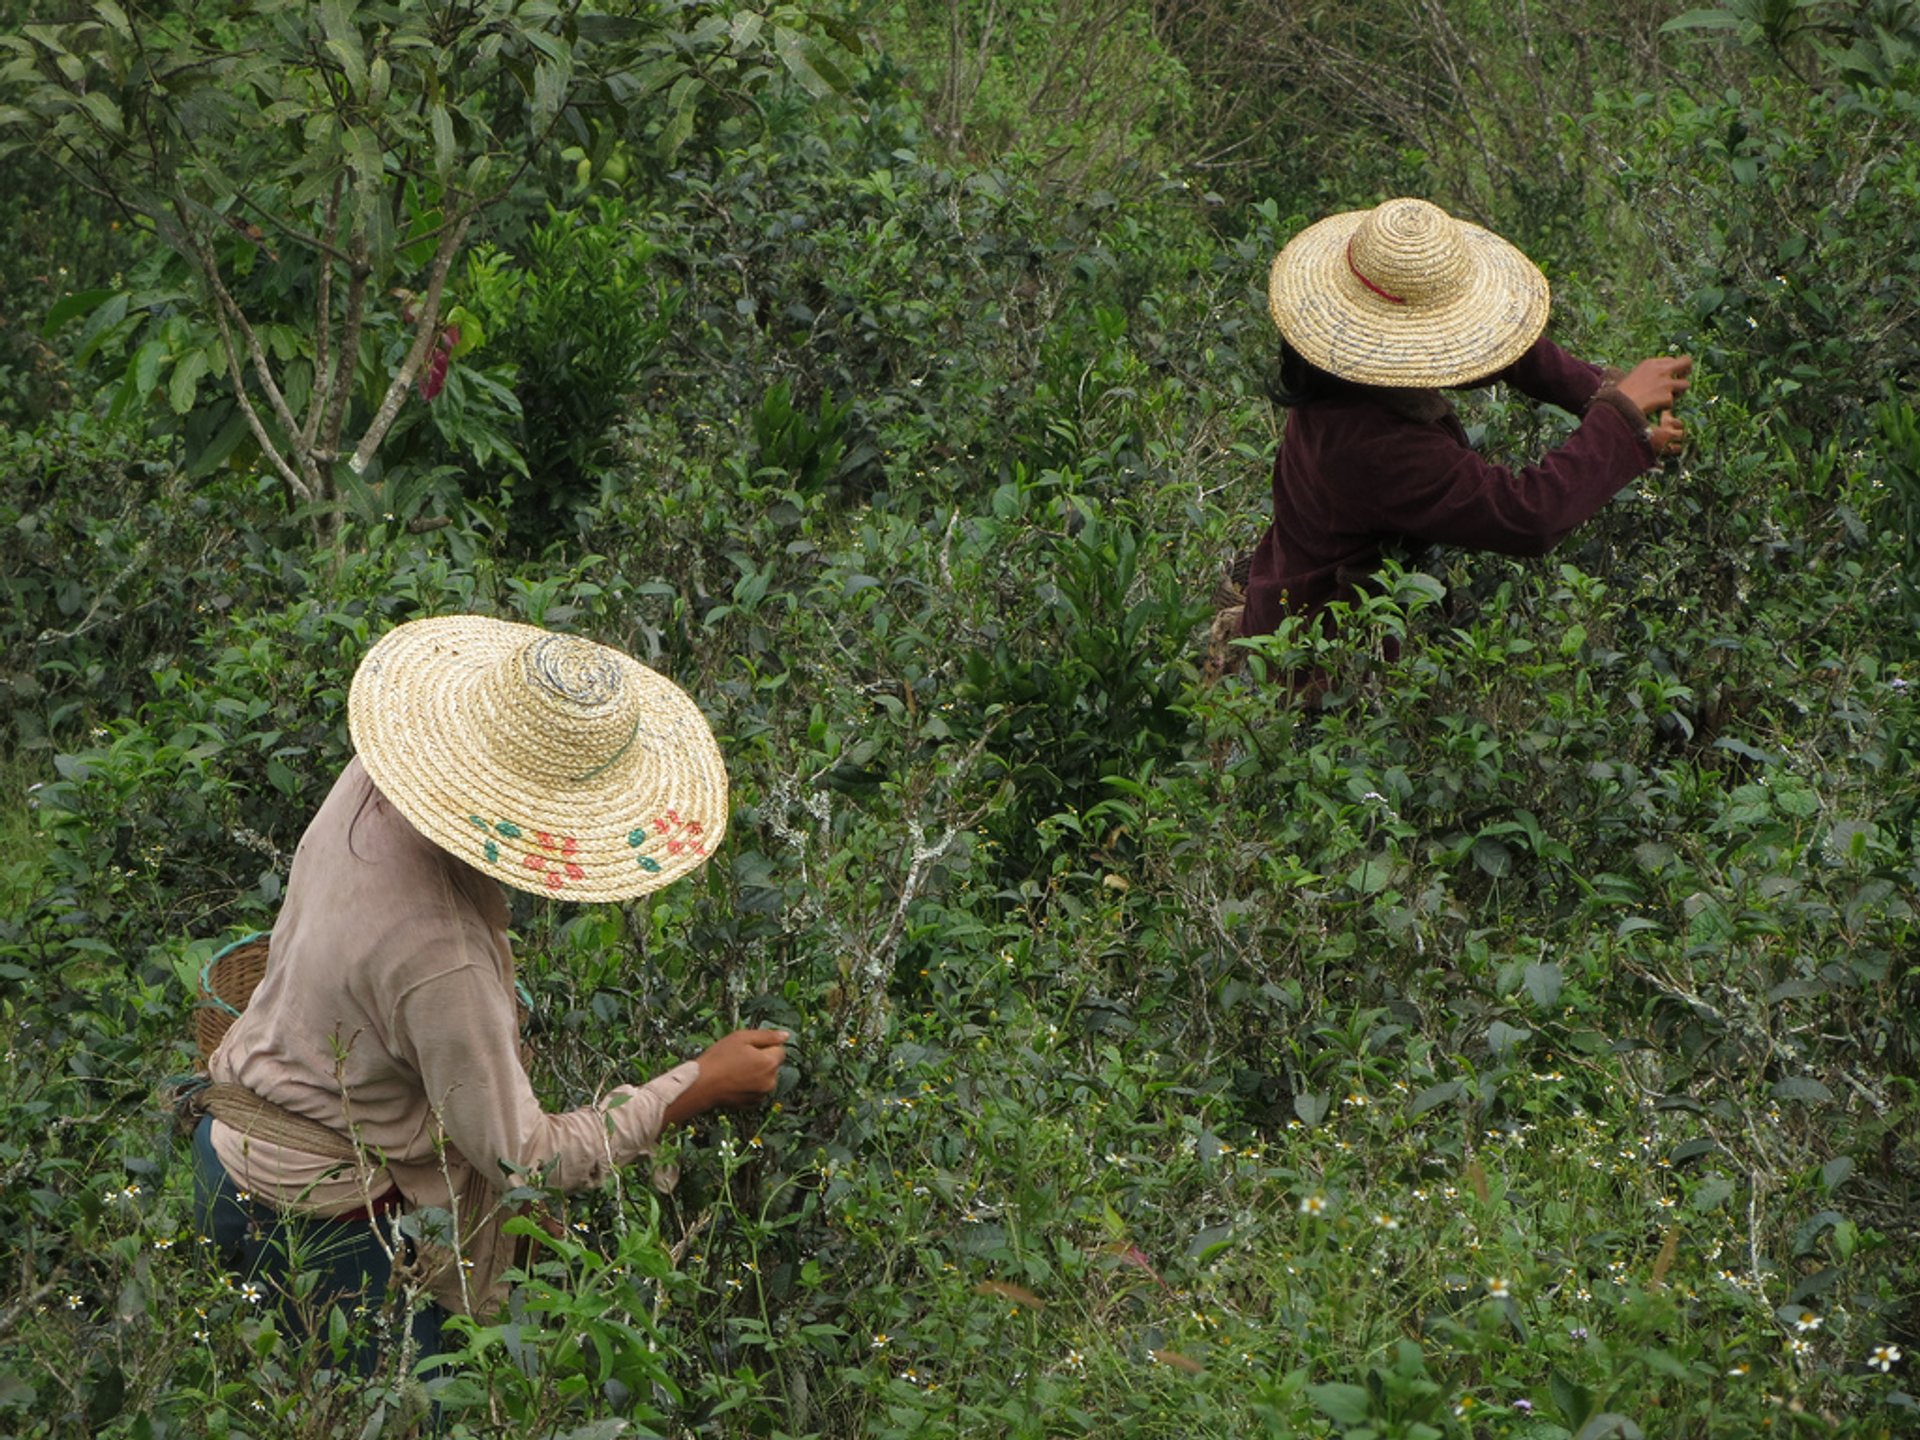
(426, 333)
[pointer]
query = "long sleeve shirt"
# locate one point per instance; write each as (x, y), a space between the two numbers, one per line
(387, 1012)
(1359, 472)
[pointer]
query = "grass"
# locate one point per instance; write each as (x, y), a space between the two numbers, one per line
(20, 840)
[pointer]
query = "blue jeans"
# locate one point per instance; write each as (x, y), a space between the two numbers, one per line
(271, 1246)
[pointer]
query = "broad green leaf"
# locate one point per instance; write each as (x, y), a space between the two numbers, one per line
(445, 153)
(708, 32)
(100, 325)
(1703, 20)
(746, 29)
(363, 150)
(343, 42)
(791, 47)
(1503, 1038)
(680, 116)
(550, 81)
(608, 29)
(1543, 981)
(184, 384)
(637, 84)
(1714, 1192)
(1617, 1427)
(142, 375)
(1434, 1095)
(79, 303)
(105, 113)
(1573, 1400)
(1345, 1404)
(1801, 1087)
(840, 29)
(472, 333)
(115, 17)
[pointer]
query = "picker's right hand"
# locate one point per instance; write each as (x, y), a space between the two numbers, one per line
(1654, 385)
(1667, 436)
(736, 1071)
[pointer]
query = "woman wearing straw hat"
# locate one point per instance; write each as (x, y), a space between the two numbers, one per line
(1378, 309)
(489, 753)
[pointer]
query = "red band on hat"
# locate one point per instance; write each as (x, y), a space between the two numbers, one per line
(1390, 299)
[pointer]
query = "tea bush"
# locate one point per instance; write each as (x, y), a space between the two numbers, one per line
(1519, 1046)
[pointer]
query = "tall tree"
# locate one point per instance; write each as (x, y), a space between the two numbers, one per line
(317, 170)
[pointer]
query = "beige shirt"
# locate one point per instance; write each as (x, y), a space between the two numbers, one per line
(387, 1013)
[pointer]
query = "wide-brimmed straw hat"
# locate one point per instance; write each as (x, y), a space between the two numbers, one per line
(1406, 295)
(547, 761)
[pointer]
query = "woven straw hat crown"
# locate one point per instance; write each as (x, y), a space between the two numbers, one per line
(553, 763)
(1406, 295)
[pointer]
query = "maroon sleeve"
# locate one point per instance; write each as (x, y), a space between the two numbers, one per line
(1436, 490)
(1553, 377)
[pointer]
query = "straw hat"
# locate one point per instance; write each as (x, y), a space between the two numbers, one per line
(549, 762)
(1406, 295)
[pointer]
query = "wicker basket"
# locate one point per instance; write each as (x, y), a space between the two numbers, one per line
(226, 984)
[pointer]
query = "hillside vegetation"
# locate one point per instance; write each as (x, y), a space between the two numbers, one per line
(1522, 1046)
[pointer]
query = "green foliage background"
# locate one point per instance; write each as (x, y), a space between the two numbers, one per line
(1523, 1046)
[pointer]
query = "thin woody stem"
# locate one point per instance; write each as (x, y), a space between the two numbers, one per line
(322, 328)
(237, 374)
(359, 269)
(426, 332)
(229, 307)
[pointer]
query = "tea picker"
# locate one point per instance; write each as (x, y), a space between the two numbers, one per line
(376, 1067)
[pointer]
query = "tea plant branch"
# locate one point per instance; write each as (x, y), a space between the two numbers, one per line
(322, 329)
(924, 858)
(236, 374)
(105, 593)
(11, 1316)
(879, 962)
(1753, 1235)
(426, 332)
(359, 270)
(1751, 1031)
(227, 305)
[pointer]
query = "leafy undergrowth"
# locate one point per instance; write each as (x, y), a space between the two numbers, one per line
(1520, 1046)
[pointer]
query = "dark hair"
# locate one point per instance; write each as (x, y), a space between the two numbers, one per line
(1293, 381)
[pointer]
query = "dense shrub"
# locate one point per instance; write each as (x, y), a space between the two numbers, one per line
(1521, 1046)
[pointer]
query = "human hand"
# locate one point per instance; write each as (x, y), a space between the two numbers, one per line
(1667, 436)
(1653, 385)
(737, 1070)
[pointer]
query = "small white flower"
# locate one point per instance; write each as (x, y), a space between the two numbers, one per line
(1806, 1322)
(1499, 1287)
(1884, 1357)
(252, 1293)
(1313, 1205)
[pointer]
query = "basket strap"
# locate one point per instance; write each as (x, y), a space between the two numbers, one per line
(239, 1107)
(207, 993)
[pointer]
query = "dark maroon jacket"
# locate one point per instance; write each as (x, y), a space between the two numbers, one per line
(1358, 472)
